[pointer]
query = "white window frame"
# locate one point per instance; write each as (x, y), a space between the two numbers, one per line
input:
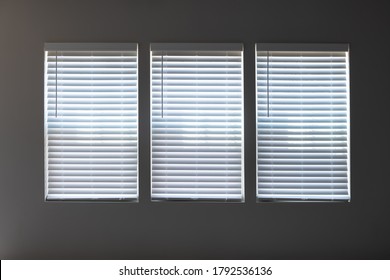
(115, 186)
(281, 47)
(192, 48)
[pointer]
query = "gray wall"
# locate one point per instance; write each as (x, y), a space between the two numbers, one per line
(31, 228)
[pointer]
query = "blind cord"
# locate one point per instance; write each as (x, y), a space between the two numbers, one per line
(268, 84)
(56, 86)
(162, 85)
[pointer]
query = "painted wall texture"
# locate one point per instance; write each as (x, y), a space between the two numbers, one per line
(33, 229)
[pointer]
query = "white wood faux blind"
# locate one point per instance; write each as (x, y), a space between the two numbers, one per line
(303, 122)
(91, 120)
(197, 122)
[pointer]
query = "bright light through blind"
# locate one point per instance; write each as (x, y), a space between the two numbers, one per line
(91, 121)
(303, 122)
(197, 122)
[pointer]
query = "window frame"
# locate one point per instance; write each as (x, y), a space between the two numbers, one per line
(88, 47)
(307, 47)
(194, 47)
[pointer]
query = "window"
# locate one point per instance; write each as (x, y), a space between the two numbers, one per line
(197, 122)
(91, 120)
(303, 122)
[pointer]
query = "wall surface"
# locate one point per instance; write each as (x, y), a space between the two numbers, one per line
(33, 229)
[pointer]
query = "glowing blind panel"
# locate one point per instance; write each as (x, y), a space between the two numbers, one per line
(91, 122)
(197, 123)
(302, 125)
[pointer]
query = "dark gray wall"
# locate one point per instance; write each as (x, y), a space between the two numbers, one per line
(31, 228)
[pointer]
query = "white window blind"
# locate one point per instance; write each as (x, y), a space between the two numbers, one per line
(197, 122)
(91, 121)
(303, 122)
